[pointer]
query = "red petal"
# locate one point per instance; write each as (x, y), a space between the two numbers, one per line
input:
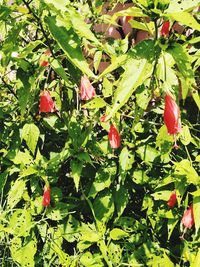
(165, 28)
(46, 196)
(46, 102)
(172, 115)
(172, 200)
(114, 137)
(87, 91)
(188, 218)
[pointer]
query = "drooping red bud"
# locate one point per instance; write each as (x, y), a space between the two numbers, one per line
(114, 137)
(87, 91)
(172, 115)
(188, 218)
(128, 18)
(172, 200)
(44, 63)
(103, 118)
(165, 28)
(46, 102)
(46, 199)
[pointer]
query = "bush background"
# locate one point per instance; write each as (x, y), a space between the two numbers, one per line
(108, 208)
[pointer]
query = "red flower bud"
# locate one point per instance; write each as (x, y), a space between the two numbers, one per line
(165, 28)
(114, 137)
(46, 199)
(46, 102)
(44, 63)
(188, 218)
(172, 115)
(172, 200)
(128, 18)
(103, 118)
(87, 91)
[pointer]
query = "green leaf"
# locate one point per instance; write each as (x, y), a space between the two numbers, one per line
(115, 63)
(196, 208)
(81, 27)
(3, 179)
(97, 60)
(140, 177)
(162, 195)
(23, 91)
(22, 158)
(196, 97)
(55, 64)
(196, 261)
(59, 212)
(23, 253)
(59, 4)
(183, 61)
(4, 12)
(29, 48)
(95, 103)
(163, 140)
(69, 41)
(16, 192)
(147, 153)
(91, 260)
(103, 179)
(133, 11)
(182, 5)
(89, 233)
(29, 171)
(140, 63)
(107, 88)
(30, 133)
(185, 18)
(103, 207)
(121, 198)
(184, 167)
(126, 159)
(117, 234)
(185, 135)
(21, 222)
(76, 167)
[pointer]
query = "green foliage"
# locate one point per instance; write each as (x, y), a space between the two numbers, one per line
(108, 207)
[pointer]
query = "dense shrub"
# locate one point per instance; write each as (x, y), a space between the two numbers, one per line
(99, 128)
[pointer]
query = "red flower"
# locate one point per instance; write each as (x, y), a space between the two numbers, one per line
(165, 28)
(103, 118)
(46, 196)
(46, 102)
(172, 115)
(172, 200)
(44, 63)
(188, 218)
(128, 18)
(87, 91)
(114, 137)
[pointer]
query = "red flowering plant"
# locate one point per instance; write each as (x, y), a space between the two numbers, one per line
(119, 190)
